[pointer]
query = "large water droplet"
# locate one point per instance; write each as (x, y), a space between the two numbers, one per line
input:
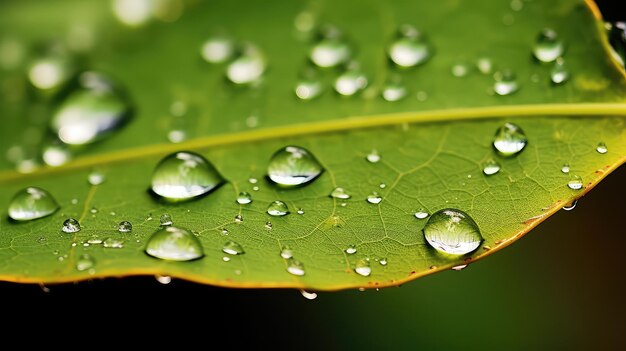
(232, 248)
(184, 175)
(174, 244)
(340, 193)
(32, 203)
(293, 165)
(602, 148)
(363, 268)
(491, 167)
(330, 52)
(374, 198)
(575, 182)
(124, 227)
(247, 68)
(505, 82)
(409, 49)
(217, 49)
(452, 231)
(295, 267)
(85, 262)
(277, 208)
(93, 110)
(559, 72)
(350, 82)
(244, 198)
(548, 47)
(70, 225)
(509, 140)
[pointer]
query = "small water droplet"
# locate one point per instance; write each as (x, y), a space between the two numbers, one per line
(232, 248)
(548, 47)
(295, 267)
(559, 73)
(309, 85)
(74, 201)
(394, 89)
(224, 231)
(373, 157)
(124, 227)
(570, 206)
(565, 168)
(382, 185)
(452, 231)
(226, 259)
(374, 198)
(308, 295)
(351, 250)
(277, 208)
(363, 267)
(459, 267)
(55, 155)
(85, 262)
(460, 69)
(96, 178)
(92, 111)
(32, 203)
(601, 148)
(174, 244)
(286, 252)
(484, 65)
(217, 49)
(350, 82)
(421, 214)
(165, 220)
(575, 182)
(94, 241)
(176, 136)
(53, 69)
(113, 243)
(491, 167)
(244, 198)
(238, 218)
(163, 279)
(247, 68)
(252, 180)
(268, 225)
(340, 193)
(330, 52)
(300, 211)
(410, 49)
(70, 225)
(382, 261)
(505, 82)
(509, 140)
(293, 165)
(93, 210)
(184, 175)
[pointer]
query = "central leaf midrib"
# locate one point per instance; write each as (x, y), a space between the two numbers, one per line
(329, 126)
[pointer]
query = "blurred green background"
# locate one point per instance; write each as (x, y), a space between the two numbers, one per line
(560, 287)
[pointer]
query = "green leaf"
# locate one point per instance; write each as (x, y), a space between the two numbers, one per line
(432, 144)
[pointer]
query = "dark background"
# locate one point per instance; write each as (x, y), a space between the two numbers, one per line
(561, 286)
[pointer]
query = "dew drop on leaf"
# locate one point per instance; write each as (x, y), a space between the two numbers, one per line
(247, 68)
(70, 225)
(570, 206)
(548, 47)
(409, 49)
(575, 182)
(163, 279)
(350, 82)
(340, 193)
(491, 167)
(374, 198)
(113, 243)
(286, 252)
(238, 218)
(217, 49)
(244, 198)
(459, 267)
(174, 244)
(460, 70)
(505, 82)
(233, 248)
(421, 214)
(32, 203)
(55, 155)
(363, 268)
(373, 157)
(308, 295)
(277, 208)
(383, 261)
(484, 65)
(293, 165)
(350, 250)
(394, 90)
(295, 267)
(601, 148)
(85, 262)
(330, 52)
(509, 140)
(559, 73)
(452, 231)
(124, 227)
(565, 168)
(96, 178)
(165, 220)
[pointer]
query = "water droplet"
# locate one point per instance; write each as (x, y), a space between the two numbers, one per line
(351, 250)
(559, 72)
(601, 148)
(330, 52)
(300, 211)
(268, 225)
(570, 206)
(244, 198)
(176, 136)
(308, 295)
(133, 13)
(93, 210)
(70, 225)
(363, 267)
(238, 218)
(286, 252)
(309, 85)
(85, 262)
(565, 168)
(575, 182)
(247, 68)
(373, 157)
(505, 82)
(56, 155)
(509, 140)
(491, 167)
(166, 220)
(184, 175)
(293, 165)
(350, 82)
(163, 279)
(94, 241)
(421, 214)
(226, 259)
(252, 180)
(374, 198)
(340, 193)
(548, 47)
(124, 227)
(32, 203)
(409, 49)
(484, 65)
(460, 70)
(113, 243)
(394, 90)
(233, 248)
(174, 244)
(382, 185)
(53, 69)
(295, 267)
(277, 208)
(217, 49)
(459, 267)
(96, 178)
(224, 231)
(383, 261)
(92, 111)
(452, 231)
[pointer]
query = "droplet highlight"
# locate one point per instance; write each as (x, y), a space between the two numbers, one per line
(548, 47)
